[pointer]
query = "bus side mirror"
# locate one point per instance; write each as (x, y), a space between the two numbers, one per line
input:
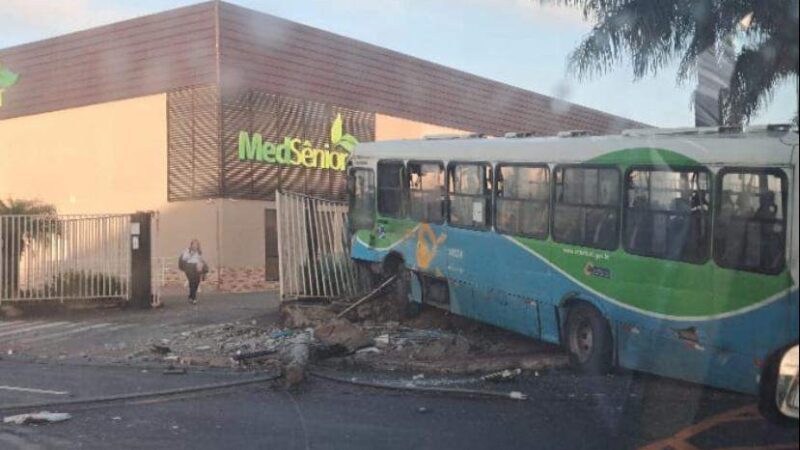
(786, 391)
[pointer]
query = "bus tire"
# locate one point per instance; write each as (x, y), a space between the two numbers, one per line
(366, 279)
(402, 291)
(588, 340)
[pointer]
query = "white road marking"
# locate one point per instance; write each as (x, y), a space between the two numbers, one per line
(8, 324)
(33, 328)
(32, 390)
(46, 337)
(19, 325)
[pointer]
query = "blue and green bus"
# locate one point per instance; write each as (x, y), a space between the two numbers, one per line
(672, 252)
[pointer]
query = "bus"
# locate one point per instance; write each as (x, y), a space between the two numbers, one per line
(673, 252)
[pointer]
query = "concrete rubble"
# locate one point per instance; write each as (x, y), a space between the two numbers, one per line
(374, 335)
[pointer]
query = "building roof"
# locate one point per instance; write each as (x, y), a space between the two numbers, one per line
(219, 43)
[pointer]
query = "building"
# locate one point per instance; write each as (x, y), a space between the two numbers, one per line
(202, 112)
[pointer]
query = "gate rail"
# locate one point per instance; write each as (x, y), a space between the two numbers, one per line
(314, 256)
(60, 257)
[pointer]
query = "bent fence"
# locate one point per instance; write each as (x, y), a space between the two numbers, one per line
(64, 257)
(314, 255)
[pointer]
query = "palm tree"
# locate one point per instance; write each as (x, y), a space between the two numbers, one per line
(652, 33)
(16, 231)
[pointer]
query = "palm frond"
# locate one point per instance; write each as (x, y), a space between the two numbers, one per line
(652, 33)
(757, 72)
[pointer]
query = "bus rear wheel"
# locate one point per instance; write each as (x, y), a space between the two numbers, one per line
(589, 340)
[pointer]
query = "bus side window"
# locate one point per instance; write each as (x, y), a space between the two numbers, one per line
(523, 200)
(426, 189)
(470, 195)
(750, 222)
(391, 189)
(361, 189)
(586, 206)
(667, 213)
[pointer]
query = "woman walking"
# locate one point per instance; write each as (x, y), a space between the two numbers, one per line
(194, 266)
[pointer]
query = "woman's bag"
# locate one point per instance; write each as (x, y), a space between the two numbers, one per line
(181, 264)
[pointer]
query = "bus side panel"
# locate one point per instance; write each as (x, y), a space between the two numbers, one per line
(719, 356)
(505, 281)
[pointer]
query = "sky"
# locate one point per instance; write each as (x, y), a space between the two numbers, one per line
(518, 42)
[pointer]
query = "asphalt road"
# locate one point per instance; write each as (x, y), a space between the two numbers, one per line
(564, 411)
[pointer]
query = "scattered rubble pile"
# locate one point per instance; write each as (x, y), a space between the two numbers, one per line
(373, 335)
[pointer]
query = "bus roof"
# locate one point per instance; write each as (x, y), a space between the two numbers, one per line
(756, 146)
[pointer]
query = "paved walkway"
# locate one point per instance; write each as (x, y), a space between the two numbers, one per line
(112, 333)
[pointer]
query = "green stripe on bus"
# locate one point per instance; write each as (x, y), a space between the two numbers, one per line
(660, 286)
(644, 156)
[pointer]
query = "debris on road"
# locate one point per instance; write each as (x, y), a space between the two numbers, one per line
(160, 349)
(374, 335)
(502, 376)
(42, 417)
(342, 332)
(296, 359)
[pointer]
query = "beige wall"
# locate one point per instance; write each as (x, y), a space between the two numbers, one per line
(392, 128)
(243, 242)
(105, 158)
(112, 158)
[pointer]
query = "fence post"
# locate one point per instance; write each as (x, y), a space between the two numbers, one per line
(141, 272)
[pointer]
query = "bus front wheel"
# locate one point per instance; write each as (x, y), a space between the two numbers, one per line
(589, 340)
(403, 291)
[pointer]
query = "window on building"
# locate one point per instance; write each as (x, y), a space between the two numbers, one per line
(750, 221)
(523, 200)
(391, 189)
(586, 206)
(361, 190)
(470, 187)
(667, 214)
(426, 189)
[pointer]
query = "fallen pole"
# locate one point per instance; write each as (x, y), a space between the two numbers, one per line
(512, 395)
(141, 395)
(367, 297)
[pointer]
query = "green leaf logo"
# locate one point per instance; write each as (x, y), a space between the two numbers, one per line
(336, 130)
(346, 142)
(7, 79)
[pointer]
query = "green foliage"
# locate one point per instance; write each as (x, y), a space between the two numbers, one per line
(74, 284)
(12, 242)
(654, 33)
(12, 207)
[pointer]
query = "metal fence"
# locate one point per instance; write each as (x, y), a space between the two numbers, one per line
(314, 256)
(64, 257)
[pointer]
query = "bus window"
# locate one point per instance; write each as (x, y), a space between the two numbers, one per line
(426, 188)
(667, 214)
(750, 223)
(523, 200)
(391, 189)
(470, 187)
(362, 199)
(586, 206)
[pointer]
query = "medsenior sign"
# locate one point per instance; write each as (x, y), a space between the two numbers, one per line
(298, 152)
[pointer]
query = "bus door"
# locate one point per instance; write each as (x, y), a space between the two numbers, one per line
(750, 252)
(666, 234)
(522, 216)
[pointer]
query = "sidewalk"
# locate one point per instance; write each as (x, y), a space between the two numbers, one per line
(111, 334)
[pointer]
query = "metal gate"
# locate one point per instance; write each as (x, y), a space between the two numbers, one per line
(64, 257)
(314, 257)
